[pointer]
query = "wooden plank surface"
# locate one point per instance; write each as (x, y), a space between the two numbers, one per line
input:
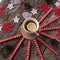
(21, 54)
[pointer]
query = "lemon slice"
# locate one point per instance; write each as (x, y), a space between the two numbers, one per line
(31, 26)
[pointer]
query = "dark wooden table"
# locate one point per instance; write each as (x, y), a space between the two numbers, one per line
(21, 54)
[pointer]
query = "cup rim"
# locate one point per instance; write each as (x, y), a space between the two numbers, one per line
(31, 19)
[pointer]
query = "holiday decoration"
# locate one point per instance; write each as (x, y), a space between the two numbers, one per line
(57, 4)
(16, 19)
(0, 0)
(1, 11)
(34, 11)
(7, 27)
(10, 6)
(56, 11)
(44, 7)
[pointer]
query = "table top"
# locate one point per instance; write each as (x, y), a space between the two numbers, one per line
(21, 54)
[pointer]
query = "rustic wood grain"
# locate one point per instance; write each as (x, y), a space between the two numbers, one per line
(21, 54)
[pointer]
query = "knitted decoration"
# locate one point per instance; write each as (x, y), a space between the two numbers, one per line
(44, 7)
(7, 27)
(56, 11)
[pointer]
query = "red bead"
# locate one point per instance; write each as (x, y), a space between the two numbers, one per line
(39, 50)
(50, 21)
(50, 48)
(45, 15)
(52, 28)
(10, 38)
(15, 50)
